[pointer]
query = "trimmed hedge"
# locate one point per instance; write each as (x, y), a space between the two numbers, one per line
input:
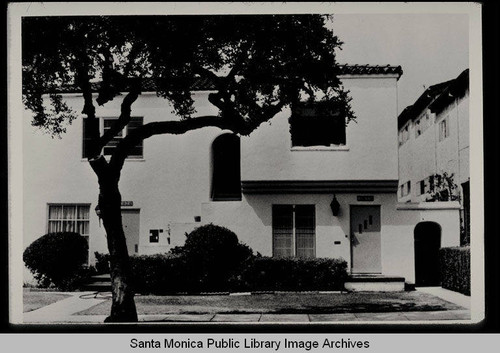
(292, 274)
(455, 269)
(213, 260)
(169, 274)
(58, 259)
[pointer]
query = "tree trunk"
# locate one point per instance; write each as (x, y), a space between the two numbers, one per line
(123, 306)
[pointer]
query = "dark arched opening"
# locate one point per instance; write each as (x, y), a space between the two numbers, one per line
(427, 237)
(226, 174)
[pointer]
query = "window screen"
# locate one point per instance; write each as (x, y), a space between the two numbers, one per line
(294, 231)
(69, 218)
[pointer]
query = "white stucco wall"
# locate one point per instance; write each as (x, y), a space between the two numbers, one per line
(171, 184)
(421, 156)
(251, 220)
(164, 185)
(371, 142)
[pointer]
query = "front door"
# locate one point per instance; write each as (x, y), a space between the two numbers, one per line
(130, 221)
(365, 239)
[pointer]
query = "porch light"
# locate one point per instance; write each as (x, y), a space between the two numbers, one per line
(98, 211)
(335, 206)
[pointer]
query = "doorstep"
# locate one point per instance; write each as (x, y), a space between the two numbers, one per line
(374, 283)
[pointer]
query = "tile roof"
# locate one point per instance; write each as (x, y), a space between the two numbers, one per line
(436, 98)
(347, 69)
(205, 84)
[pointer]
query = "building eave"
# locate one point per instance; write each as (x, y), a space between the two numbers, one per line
(318, 186)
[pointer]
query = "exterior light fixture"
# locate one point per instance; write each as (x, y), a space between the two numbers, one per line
(335, 206)
(98, 211)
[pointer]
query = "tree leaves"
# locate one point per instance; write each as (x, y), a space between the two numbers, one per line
(258, 63)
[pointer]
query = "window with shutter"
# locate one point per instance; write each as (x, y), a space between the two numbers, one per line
(105, 124)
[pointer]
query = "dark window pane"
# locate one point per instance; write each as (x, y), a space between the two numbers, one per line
(89, 125)
(313, 125)
(135, 122)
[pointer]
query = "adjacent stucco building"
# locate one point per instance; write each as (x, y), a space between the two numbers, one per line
(330, 191)
(433, 140)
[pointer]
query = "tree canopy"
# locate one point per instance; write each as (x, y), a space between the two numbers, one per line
(258, 64)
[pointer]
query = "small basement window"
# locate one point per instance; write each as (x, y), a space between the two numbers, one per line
(314, 124)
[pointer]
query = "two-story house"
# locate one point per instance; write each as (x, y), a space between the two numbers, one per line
(433, 140)
(301, 185)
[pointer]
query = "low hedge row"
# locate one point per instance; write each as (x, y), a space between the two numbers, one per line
(455, 269)
(168, 274)
(291, 274)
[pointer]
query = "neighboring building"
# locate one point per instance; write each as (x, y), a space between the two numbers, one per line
(275, 188)
(433, 140)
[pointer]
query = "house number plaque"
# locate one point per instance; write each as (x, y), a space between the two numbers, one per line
(365, 198)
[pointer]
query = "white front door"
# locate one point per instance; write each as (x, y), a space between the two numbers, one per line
(365, 239)
(130, 221)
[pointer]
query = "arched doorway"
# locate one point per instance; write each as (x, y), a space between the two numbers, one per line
(226, 174)
(427, 240)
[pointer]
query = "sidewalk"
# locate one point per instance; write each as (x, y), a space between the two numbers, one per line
(448, 295)
(64, 312)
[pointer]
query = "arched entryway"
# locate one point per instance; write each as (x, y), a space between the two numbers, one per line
(427, 240)
(226, 175)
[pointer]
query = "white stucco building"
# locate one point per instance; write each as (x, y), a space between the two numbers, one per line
(434, 139)
(275, 193)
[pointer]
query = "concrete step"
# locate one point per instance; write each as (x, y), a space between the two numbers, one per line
(374, 283)
(105, 276)
(98, 283)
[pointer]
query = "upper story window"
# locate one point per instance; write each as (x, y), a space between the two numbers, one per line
(444, 129)
(418, 128)
(422, 123)
(425, 185)
(405, 189)
(226, 171)
(404, 134)
(315, 125)
(105, 124)
(422, 187)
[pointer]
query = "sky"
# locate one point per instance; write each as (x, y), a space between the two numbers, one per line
(431, 48)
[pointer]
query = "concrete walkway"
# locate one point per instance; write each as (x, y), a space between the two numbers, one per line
(64, 312)
(448, 295)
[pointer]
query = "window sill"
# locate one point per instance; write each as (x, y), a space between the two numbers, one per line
(225, 199)
(320, 148)
(126, 160)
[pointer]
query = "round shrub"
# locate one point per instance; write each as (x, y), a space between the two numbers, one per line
(57, 259)
(212, 254)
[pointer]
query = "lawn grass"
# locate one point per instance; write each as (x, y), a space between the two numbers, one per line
(283, 303)
(33, 300)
